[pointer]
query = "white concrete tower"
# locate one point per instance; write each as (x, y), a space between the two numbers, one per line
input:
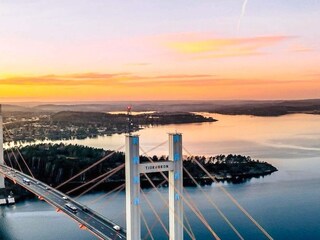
(175, 187)
(132, 188)
(133, 170)
(1, 147)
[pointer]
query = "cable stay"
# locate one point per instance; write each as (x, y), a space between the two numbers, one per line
(189, 226)
(95, 179)
(231, 198)
(155, 213)
(192, 203)
(10, 163)
(120, 188)
(18, 150)
(146, 224)
(214, 204)
(163, 207)
(25, 163)
(154, 223)
(203, 220)
(157, 146)
(15, 158)
(167, 204)
(90, 167)
(9, 159)
(103, 179)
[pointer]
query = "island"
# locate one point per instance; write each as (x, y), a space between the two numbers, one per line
(67, 125)
(55, 163)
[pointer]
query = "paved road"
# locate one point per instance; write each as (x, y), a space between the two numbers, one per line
(86, 217)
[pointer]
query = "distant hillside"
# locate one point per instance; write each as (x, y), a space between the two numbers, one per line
(15, 108)
(275, 108)
(81, 117)
(256, 108)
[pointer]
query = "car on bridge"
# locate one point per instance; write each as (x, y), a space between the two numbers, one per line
(26, 181)
(116, 227)
(71, 207)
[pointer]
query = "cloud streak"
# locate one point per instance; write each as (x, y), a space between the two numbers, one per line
(130, 80)
(226, 47)
(101, 79)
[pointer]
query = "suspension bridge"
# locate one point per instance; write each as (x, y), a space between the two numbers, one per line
(88, 219)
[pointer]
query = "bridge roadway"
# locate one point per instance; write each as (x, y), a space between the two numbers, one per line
(86, 217)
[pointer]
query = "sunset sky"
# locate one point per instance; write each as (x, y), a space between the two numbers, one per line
(101, 50)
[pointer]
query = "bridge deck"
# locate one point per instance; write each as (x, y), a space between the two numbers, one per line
(86, 217)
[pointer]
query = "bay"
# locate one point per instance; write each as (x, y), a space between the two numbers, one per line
(285, 203)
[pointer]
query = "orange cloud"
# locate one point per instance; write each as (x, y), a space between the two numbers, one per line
(103, 79)
(120, 86)
(225, 47)
(66, 80)
(181, 76)
(130, 80)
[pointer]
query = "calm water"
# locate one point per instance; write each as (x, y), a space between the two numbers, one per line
(286, 203)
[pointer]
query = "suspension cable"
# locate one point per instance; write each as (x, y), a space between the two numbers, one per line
(88, 168)
(232, 198)
(214, 204)
(203, 220)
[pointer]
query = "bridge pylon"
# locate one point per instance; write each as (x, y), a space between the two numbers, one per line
(1, 148)
(133, 170)
(133, 221)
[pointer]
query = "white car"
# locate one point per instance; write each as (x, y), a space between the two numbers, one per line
(64, 198)
(116, 227)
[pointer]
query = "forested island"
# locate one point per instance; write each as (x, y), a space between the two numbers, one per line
(54, 164)
(67, 125)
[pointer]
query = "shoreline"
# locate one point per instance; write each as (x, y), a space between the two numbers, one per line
(54, 164)
(24, 195)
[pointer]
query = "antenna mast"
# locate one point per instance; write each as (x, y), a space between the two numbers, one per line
(129, 118)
